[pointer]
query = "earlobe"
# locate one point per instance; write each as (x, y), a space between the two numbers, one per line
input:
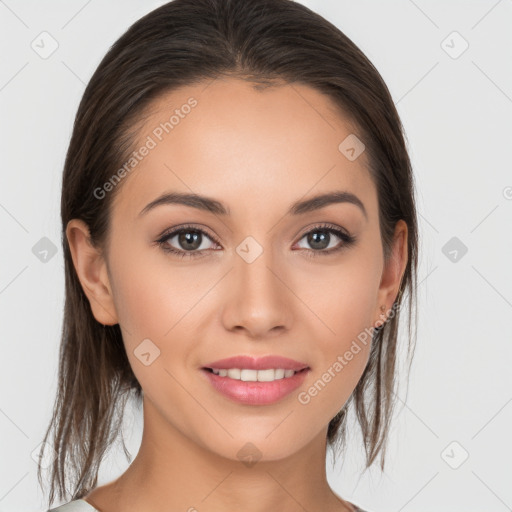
(91, 269)
(392, 273)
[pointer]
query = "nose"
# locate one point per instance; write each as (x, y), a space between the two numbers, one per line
(258, 300)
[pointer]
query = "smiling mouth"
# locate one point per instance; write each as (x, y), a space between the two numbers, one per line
(255, 387)
(249, 375)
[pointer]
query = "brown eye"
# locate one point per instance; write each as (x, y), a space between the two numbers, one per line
(186, 242)
(319, 239)
(326, 240)
(189, 240)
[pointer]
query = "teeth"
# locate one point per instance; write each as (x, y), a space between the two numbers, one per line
(254, 375)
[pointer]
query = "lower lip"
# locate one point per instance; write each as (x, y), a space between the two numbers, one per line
(253, 392)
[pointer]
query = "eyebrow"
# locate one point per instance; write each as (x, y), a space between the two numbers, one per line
(213, 206)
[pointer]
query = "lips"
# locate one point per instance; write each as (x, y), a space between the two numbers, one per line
(255, 393)
(257, 363)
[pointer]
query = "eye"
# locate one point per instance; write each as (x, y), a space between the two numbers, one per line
(322, 241)
(192, 242)
(189, 240)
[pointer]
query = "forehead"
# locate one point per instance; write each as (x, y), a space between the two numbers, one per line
(227, 140)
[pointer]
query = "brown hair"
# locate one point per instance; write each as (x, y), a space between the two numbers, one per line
(186, 42)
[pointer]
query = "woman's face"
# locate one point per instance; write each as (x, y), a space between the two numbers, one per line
(263, 278)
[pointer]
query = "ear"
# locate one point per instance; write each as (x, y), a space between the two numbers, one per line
(91, 269)
(392, 274)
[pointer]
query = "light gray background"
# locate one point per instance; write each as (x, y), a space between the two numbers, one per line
(457, 113)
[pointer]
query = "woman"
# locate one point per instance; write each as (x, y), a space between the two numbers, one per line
(239, 227)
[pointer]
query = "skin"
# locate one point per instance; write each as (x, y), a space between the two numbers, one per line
(257, 152)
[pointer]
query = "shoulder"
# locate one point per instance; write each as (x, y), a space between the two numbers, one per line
(74, 506)
(356, 508)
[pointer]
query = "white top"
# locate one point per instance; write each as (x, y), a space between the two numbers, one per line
(82, 506)
(75, 506)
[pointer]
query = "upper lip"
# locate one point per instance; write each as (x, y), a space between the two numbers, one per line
(258, 363)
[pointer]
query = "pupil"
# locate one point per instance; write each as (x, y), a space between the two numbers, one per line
(193, 241)
(318, 242)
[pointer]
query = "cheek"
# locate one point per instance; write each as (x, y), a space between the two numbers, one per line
(152, 294)
(346, 308)
(153, 302)
(345, 299)
(343, 358)
(158, 301)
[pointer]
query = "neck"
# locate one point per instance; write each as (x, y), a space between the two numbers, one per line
(171, 471)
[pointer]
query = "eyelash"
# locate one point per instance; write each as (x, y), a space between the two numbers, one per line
(347, 239)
